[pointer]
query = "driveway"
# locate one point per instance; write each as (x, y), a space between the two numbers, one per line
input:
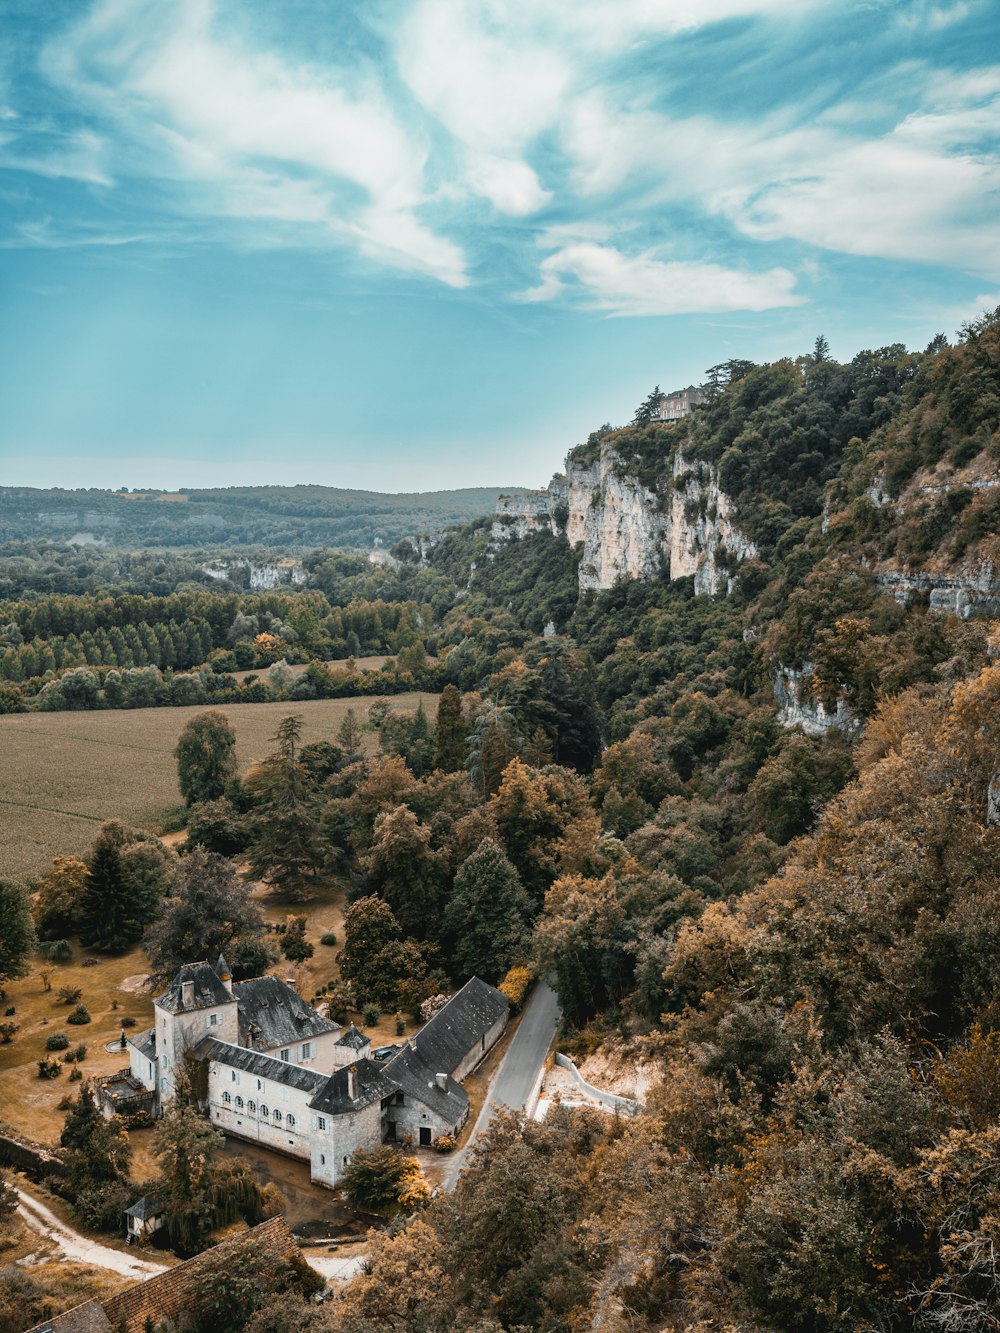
(74, 1246)
(519, 1077)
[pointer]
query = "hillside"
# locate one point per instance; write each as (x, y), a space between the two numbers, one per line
(284, 516)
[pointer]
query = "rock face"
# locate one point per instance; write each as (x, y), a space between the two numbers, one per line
(685, 527)
(971, 590)
(261, 578)
(797, 707)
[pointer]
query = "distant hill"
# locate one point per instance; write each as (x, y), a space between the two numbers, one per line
(287, 516)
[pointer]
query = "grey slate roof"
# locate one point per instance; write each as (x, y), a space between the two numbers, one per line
(372, 1085)
(353, 1038)
(209, 992)
(263, 1066)
(86, 1318)
(445, 1041)
(144, 1043)
(150, 1205)
(417, 1080)
(281, 1017)
(442, 1044)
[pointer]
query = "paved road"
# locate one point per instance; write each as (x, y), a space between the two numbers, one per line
(74, 1246)
(519, 1077)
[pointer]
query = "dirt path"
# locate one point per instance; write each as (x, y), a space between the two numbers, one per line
(80, 1248)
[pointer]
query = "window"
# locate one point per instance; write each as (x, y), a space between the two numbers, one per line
(307, 1050)
(290, 1120)
(264, 1110)
(234, 1076)
(277, 1115)
(211, 1020)
(226, 1097)
(399, 1099)
(283, 1055)
(259, 1085)
(251, 1106)
(321, 1122)
(322, 1160)
(239, 1102)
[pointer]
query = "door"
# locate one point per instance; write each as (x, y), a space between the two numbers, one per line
(425, 1136)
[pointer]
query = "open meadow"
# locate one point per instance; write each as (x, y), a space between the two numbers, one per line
(65, 773)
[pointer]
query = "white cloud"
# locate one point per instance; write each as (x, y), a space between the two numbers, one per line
(251, 135)
(80, 155)
(645, 285)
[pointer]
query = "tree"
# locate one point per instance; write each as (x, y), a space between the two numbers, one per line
(382, 1179)
(488, 914)
(450, 748)
(58, 899)
(649, 409)
(17, 933)
(286, 849)
(98, 1148)
(403, 1285)
(369, 926)
(212, 913)
(185, 1144)
(127, 874)
(821, 350)
(206, 757)
(406, 872)
(349, 734)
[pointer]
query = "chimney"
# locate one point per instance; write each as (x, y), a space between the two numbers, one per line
(187, 993)
(442, 1081)
(412, 1043)
(352, 1083)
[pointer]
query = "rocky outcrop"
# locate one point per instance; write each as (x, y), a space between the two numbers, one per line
(971, 590)
(799, 707)
(259, 577)
(685, 527)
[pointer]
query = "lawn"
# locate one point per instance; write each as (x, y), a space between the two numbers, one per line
(68, 772)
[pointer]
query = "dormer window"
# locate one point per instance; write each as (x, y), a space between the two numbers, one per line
(187, 993)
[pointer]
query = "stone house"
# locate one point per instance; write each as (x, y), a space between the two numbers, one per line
(680, 403)
(280, 1074)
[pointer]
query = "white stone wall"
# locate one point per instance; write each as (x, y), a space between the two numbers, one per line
(324, 1060)
(177, 1033)
(253, 1125)
(411, 1116)
(333, 1147)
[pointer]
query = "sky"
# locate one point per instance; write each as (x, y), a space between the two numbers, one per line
(418, 244)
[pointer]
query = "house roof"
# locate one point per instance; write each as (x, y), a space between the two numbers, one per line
(150, 1205)
(263, 1066)
(86, 1318)
(445, 1041)
(209, 990)
(417, 1079)
(163, 1298)
(372, 1084)
(144, 1043)
(272, 1014)
(353, 1038)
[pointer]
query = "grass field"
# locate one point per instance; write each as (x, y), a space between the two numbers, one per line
(65, 773)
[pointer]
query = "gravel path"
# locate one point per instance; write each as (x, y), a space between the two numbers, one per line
(76, 1247)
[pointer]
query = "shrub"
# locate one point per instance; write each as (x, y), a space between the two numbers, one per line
(128, 1022)
(81, 1052)
(75, 1074)
(444, 1143)
(328, 938)
(49, 1069)
(400, 1026)
(56, 1041)
(431, 1006)
(7, 1031)
(90, 962)
(57, 951)
(69, 994)
(79, 1016)
(515, 986)
(381, 1179)
(371, 1014)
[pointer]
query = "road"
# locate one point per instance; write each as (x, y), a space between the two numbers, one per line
(74, 1246)
(519, 1077)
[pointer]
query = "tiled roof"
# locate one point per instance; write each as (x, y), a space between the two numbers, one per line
(445, 1041)
(161, 1299)
(263, 1066)
(372, 1085)
(353, 1038)
(418, 1080)
(279, 1015)
(86, 1318)
(208, 990)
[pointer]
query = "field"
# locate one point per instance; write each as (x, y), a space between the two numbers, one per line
(65, 773)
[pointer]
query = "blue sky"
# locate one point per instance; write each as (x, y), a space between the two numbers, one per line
(421, 243)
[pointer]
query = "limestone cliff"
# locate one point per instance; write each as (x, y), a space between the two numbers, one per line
(683, 527)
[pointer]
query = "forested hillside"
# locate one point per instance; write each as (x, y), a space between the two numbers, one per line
(793, 927)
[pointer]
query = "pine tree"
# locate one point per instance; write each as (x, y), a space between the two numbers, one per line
(17, 933)
(488, 914)
(649, 409)
(286, 849)
(449, 752)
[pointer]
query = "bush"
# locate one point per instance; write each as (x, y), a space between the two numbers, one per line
(69, 994)
(57, 951)
(79, 1016)
(80, 1053)
(371, 1014)
(444, 1143)
(328, 938)
(382, 1179)
(7, 1031)
(75, 1074)
(515, 986)
(128, 1022)
(56, 1041)
(49, 1069)
(101, 1206)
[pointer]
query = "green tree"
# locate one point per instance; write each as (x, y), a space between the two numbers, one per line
(382, 1179)
(206, 757)
(449, 751)
(185, 1144)
(98, 1148)
(488, 914)
(405, 871)
(127, 874)
(17, 932)
(649, 409)
(212, 912)
(286, 848)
